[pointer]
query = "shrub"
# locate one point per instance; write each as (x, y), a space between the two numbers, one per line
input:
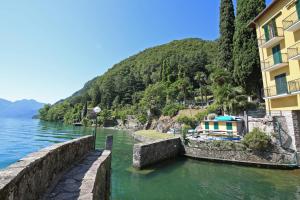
(256, 140)
(190, 121)
(85, 122)
(142, 118)
(201, 115)
(185, 129)
(172, 109)
(213, 108)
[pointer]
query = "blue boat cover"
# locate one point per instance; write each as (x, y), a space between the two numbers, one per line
(224, 118)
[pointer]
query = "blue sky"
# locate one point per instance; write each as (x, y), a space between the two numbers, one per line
(49, 49)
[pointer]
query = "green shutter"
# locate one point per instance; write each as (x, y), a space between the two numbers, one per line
(216, 126)
(273, 28)
(281, 84)
(206, 125)
(277, 54)
(229, 126)
(266, 29)
(298, 8)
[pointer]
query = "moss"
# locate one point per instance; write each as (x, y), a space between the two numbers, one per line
(152, 134)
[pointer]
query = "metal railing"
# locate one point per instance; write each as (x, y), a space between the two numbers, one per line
(292, 86)
(293, 50)
(272, 33)
(290, 20)
(271, 62)
(270, 91)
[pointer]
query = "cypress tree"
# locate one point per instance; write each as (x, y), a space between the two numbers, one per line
(247, 71)
(226, 26)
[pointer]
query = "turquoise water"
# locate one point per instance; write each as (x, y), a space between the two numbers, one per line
(174, 180)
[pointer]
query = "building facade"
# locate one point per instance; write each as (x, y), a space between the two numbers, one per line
(278, 34)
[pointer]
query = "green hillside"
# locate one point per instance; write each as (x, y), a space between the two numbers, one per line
(156, 79)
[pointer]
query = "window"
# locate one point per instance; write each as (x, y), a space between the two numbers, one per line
(216, 125)
(281, 84)
(277, 55)
(270, 30)
(229, 126)
(206, 125)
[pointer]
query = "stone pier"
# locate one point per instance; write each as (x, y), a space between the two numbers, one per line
(75, 166)
(145, 154)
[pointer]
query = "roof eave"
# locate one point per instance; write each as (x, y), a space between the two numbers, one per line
(253, 22)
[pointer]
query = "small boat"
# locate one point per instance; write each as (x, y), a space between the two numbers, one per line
(77, 124)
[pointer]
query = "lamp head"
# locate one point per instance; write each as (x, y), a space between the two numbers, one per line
(97, 109)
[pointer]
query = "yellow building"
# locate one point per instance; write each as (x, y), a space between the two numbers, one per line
(278, 33)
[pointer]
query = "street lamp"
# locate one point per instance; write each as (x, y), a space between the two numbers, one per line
(96, 110)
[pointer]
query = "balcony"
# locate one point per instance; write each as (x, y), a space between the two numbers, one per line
(294, 52)
(272, 92)
(294, 86)
(292, 22)
(273, 37)
(275, 62)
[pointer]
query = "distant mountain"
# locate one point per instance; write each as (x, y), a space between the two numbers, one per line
(19, 109)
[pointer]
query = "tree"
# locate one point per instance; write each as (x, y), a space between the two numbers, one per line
(201, 78)
(184, 88)
(84, 110)
(225, 49)
(247, 71)
(232, 100)
(44, 111)
(154, 98)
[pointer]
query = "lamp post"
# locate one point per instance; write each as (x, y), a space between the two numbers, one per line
(96, 110)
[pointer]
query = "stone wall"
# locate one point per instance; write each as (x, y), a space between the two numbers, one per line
(145, 154)
(101, 179)
(236, 152)
(264, 124)
(30, 177)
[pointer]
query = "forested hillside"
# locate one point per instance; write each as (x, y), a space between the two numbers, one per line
(157, 79)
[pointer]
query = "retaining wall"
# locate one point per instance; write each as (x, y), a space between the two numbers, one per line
(30, 177)
(237, 154)
(145, 154)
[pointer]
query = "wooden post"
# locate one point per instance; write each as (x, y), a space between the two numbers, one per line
(109, 142)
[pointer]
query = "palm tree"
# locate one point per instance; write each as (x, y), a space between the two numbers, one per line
(232, 99)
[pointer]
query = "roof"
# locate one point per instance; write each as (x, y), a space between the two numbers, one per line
(263, 12)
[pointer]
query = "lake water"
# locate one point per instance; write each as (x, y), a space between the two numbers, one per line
(181, 179)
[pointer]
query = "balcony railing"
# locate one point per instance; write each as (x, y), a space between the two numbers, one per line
(292, 86)
(273, 36)
(274, 62)
(291, 23)
(270, 91)
(294, 52)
